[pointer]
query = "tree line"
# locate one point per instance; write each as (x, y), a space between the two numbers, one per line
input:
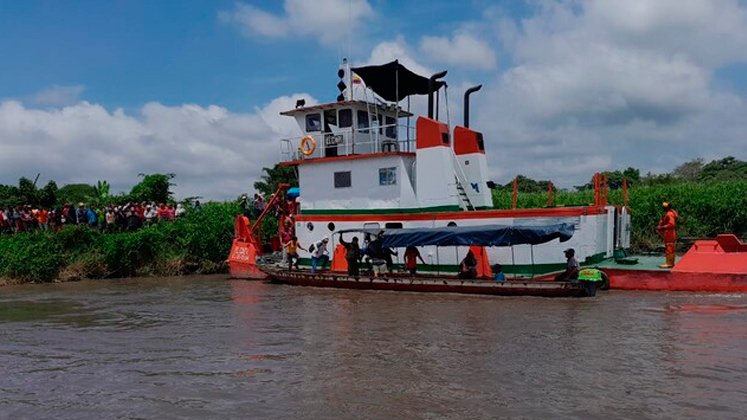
(151, 188)
(696, 170)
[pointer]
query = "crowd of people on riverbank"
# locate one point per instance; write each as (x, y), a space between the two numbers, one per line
(112, 218)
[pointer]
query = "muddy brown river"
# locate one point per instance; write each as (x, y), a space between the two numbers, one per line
(209, 347)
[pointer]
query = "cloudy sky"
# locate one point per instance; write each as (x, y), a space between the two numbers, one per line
(93, 90)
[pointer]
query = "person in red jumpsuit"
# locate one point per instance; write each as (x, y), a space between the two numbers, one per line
(668, 229)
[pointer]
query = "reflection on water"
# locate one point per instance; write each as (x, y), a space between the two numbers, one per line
(210, 347)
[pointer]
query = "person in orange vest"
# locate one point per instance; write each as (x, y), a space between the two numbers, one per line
(667, 227)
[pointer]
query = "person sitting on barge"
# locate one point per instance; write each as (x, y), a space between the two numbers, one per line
(498, 274)
(468, 267)
(572, 267)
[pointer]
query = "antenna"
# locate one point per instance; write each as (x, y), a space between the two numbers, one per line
(350, 26)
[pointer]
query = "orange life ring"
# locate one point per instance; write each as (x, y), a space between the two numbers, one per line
(308, 145)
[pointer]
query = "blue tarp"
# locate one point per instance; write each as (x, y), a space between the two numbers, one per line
(487, 235)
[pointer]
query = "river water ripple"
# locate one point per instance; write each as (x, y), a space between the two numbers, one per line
(208, 347)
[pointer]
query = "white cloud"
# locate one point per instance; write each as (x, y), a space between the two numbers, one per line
(58, 95)
(462, 50)
(397, 49)
(605, 85)
(330, 21)
(214, 153)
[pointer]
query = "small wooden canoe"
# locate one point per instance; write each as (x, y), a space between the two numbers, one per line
(425, 283)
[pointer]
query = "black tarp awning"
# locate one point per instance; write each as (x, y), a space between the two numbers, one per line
(487, 235)
(385, 79)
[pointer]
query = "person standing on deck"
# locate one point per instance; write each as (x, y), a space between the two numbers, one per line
(291, 247)
(319, 254)
(375, 251)
(667, 227)
(411, 259)
(353, 255)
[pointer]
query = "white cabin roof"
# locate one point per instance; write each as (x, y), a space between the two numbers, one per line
(385, 108)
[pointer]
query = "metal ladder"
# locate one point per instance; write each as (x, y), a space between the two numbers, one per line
(463, 194)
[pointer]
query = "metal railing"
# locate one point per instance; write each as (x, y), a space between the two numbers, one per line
(349, 141)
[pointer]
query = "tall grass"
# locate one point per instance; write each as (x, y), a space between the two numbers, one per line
(705, 209)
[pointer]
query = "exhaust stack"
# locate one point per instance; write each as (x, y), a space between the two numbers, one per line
(431, 83)
(468, 92)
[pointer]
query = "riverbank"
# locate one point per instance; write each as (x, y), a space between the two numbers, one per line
(200, 241)
(197, 243)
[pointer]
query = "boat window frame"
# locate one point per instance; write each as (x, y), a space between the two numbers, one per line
(308, 122)
(341, 119)
(363, 121)
(339, 179)
(388, 176)
(390, 127)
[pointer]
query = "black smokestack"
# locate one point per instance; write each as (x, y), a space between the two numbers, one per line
(431, 85)
(466, 103)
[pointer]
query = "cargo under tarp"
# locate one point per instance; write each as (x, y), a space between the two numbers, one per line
(486, 235)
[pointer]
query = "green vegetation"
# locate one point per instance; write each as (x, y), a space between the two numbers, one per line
(705, 209)
(199, 242)
(271, 177)
(710, 198)
(196, 243)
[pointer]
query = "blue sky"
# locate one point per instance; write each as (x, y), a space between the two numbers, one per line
(127, 53)
(194, 87)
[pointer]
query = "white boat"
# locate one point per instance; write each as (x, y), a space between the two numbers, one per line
(365, 163)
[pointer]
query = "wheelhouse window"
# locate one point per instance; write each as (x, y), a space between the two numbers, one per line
(388, 176)
(391, 127)
(313, 122)
(345, 118)
(362, 120)
(342, 179)
(330, 120)
(377, 121)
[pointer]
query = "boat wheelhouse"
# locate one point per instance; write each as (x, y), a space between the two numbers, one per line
(363, 162)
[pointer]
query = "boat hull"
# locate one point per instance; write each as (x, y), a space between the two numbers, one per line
(245, 271)
(660, 280)
(428, 284)
(710, 265)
